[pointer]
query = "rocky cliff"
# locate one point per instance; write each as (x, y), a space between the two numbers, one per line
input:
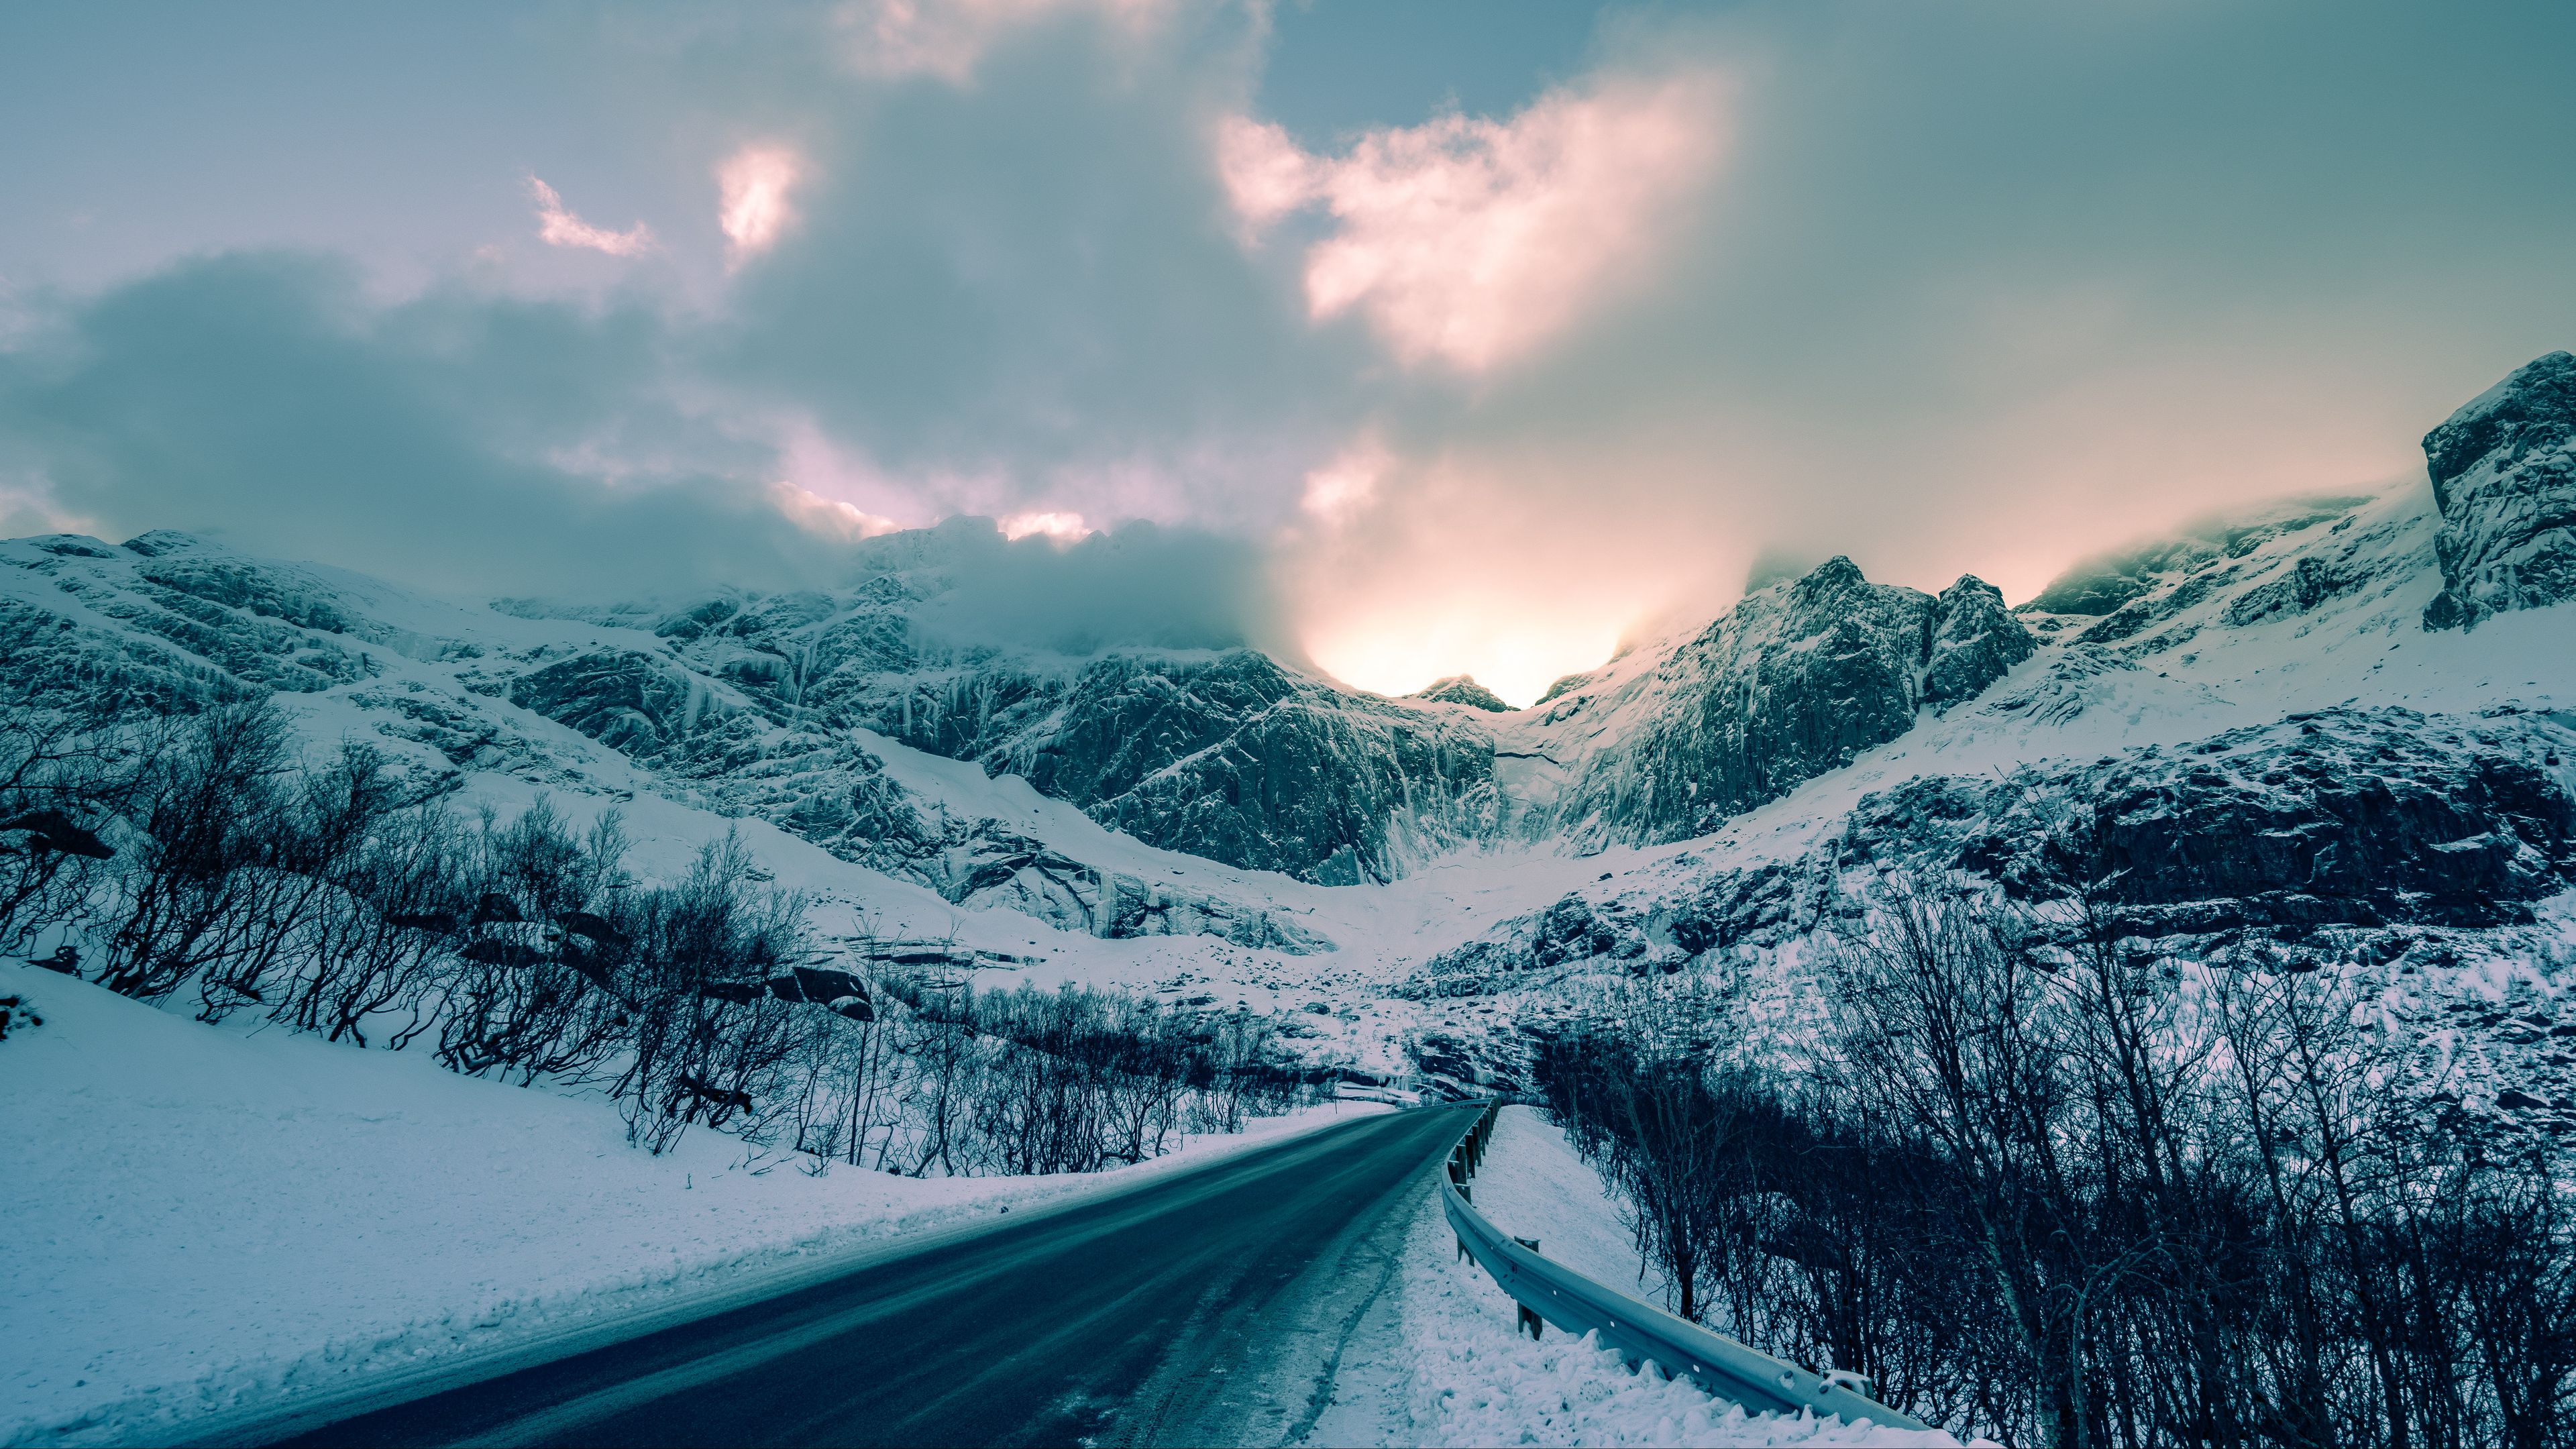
(1795, 680)
(1463, 689)
(1229, 755)
(2504, 477)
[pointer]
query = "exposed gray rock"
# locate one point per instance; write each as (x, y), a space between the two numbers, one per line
(1564, 685)
(1463, 689)
(1974, 642)
(624, 699)
(2504, 477)
(2344, 816)
(187, 623)
(2106, 584)
(1792, 682)
(829, 790)
(1239, 760)
(2337, 836)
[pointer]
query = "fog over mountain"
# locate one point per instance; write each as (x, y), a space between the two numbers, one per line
(1765, 279)
(1904, 675)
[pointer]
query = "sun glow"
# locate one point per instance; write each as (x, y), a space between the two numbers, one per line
(1061, 527)
(753, 186)
(1515, 658)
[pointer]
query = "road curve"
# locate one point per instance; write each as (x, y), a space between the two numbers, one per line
(1210, 1307)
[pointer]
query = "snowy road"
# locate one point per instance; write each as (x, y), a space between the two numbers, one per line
(1211, 1307)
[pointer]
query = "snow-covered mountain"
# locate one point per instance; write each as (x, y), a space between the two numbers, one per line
(2334, 725)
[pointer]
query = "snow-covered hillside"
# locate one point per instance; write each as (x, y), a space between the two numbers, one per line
(209, 1219)
(2323, 732)
(1102, 817)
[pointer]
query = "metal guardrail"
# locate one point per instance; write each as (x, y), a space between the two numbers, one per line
(1557, 1294)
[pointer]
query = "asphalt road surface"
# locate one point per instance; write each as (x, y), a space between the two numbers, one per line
(1212, 1307)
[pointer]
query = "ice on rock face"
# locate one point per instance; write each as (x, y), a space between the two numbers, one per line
(2504, 478)
(2340, 817)
(1974, 641)
(1463, 689)
(1794, 681)
(813, 710)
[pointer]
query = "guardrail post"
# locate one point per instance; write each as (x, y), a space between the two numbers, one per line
(1529, 1320)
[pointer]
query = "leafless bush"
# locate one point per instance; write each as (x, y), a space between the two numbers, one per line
(344, 897)
(65, 771)
(2058, 1190)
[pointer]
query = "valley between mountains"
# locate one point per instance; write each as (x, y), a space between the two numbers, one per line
(2316, 734)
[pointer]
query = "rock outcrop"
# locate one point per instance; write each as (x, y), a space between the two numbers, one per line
(1237, 759)
(1974, 642)
(2339, 817)
(2339, 835)
(637, 703)
(1792, 682)
(1463, 689)
(2504, 477)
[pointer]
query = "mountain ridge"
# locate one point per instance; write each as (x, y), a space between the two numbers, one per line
(767, 703)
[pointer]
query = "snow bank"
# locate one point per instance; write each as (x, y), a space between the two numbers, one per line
(1476, 1379)
(206, 1220)
(1534, 1186)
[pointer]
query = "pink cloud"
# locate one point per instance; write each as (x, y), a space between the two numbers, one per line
(1344, 487)
(558, 226)
(752, 189)
(1061, 527)
(947, 38)
(829, 517)
(1470, 241)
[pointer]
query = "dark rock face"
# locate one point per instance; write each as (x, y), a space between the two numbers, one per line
(2344, 817)
(1573, 937)
(2135, 596)
(1236, 759)
(2338, 836)
(200, 624)
(1570, 931)
(1792, 682)
(1463, 689)
(1974, 642)
(2504, 477)
(838, 795)
(1759, 905)
(1566, 684)
(625, 700)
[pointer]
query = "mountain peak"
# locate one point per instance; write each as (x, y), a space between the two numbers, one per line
(163, 541)
(2504, 477)
(1463, 689)
(2540, 394)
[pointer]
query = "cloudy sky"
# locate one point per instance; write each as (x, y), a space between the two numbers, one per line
(1475, 335)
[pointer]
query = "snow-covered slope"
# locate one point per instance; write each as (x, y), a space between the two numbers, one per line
(1174, 819)
(208, 1219)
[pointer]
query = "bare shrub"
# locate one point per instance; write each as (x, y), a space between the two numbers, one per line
(2048, 1186)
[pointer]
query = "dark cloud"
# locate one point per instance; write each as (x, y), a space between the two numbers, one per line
(1140, 583)
(477, 444)
(1980, 289)
(1032, 283)
(458, 441)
